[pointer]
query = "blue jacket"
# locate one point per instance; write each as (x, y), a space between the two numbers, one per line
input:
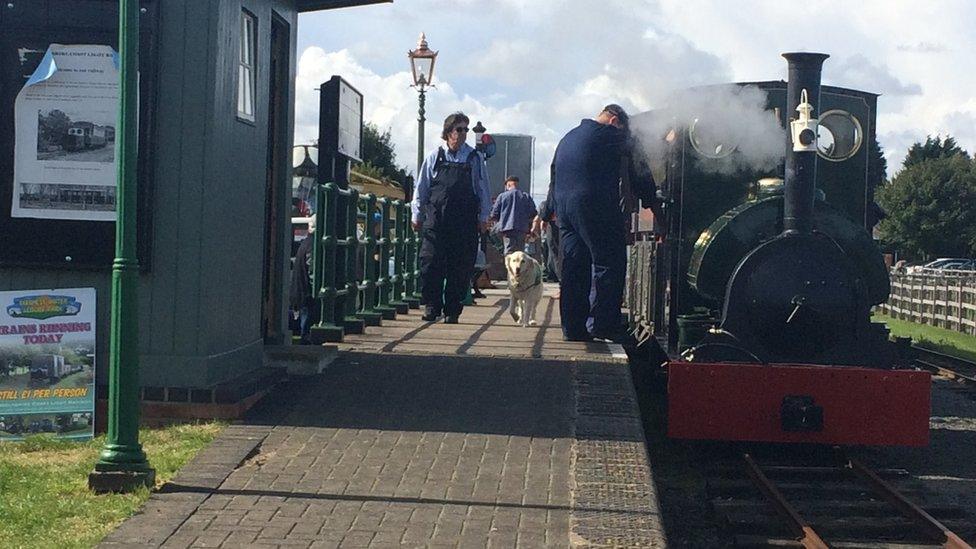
(514, 210)
(587, 166)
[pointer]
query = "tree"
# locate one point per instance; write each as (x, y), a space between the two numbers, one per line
(877, 166)
(930, 204)
(51, 128)
(933, 148)
(379, 155)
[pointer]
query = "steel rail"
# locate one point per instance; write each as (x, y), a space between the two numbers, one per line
(926, 522)
(800, 528)
(946, 372)
(943, 370)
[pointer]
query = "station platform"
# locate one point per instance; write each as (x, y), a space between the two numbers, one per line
(480, 434)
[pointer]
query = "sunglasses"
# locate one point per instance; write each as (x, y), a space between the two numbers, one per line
(461, 130)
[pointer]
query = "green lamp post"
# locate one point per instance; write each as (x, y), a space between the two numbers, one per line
(422, 67)
(123, 466)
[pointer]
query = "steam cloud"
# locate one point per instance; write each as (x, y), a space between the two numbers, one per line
(730, 122)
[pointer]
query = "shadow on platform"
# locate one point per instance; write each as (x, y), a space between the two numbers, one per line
(528, 397)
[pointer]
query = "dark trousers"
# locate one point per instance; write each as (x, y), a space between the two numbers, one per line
(308, 316)
(446, 265)
(554, 258)
(593, 270)
(514, 241)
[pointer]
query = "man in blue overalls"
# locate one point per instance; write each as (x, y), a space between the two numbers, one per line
(450, 207)
(586, 189)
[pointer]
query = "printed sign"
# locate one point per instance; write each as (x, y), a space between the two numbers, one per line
(47, 363)
(64, 152)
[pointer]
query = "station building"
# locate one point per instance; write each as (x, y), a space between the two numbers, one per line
(216, 118)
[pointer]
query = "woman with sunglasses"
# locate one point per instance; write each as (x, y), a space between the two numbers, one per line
(450, 208)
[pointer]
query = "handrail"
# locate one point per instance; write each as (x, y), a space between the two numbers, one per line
(364, 264)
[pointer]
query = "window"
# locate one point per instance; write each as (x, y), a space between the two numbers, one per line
(247, 74)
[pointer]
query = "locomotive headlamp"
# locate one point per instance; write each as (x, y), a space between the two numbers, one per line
(804, 128)
(483, 142)
(479, 132)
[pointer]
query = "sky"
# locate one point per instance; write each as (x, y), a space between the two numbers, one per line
(538, 67)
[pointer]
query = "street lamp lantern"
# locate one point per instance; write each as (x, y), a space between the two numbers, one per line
(422, 63)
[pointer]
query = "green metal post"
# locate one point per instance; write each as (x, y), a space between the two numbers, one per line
(399, 246)
(367, 286)
(420, 161)
(324, 265)
(412, 281)
(352, 321)
(420, 131)
(415, 261)
(122, 466)
(384, 279)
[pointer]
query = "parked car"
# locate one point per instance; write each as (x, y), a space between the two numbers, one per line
(963, 267)
(942, 264)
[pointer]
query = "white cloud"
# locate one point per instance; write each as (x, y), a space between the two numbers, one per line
(858, 72)
(390, 103)
(537, 67)
(923, 47)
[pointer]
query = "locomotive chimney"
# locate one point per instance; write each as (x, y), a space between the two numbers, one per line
(801, 146)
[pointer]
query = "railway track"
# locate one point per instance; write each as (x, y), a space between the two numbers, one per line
(837, 502)
(958, 369)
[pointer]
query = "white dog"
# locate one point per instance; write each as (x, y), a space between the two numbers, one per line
(525, 286)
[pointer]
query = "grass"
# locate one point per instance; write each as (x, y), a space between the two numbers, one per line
(929, 337)
(44, 496)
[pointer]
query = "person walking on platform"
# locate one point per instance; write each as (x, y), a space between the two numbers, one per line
(586, 190)
(514, 211)
(304, 306)
(450, 208)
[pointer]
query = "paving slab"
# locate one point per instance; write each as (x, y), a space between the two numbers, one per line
(481, 434)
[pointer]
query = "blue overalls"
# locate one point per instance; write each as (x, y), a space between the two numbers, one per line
(450, 237)
(591, 229)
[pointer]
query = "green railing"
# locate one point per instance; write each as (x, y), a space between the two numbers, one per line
(364, 261)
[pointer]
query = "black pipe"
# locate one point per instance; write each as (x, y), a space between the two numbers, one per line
(799, 185)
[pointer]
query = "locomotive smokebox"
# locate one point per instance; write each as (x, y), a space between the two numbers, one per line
(801, 167)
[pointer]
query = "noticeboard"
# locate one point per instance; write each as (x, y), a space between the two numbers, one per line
(68, 222)
(47, 363)
(341, 120)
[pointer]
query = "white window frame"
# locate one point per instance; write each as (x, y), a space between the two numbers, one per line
(247, 76)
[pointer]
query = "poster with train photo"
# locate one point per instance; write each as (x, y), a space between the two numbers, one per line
(47, 363)
(65, 121)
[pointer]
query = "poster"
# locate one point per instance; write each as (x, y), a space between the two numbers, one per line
(47, 363)
(64, 144)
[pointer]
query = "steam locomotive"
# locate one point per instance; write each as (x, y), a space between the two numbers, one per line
(760, 297)
(86, 135)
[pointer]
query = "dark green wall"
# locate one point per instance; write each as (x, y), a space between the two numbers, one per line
(200, 303)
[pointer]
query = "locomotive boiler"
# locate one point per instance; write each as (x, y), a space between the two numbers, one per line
(762, 292)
